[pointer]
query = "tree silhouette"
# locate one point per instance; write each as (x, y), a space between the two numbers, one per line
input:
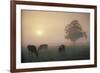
(74, 31)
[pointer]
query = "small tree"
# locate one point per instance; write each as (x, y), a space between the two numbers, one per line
(74, 31)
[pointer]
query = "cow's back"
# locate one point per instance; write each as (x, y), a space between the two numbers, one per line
(43, 47)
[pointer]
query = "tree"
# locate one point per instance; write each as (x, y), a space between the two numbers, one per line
(74, 31)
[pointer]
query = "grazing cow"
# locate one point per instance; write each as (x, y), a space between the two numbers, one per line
(32, 49)
(61, 48)
(43, 46)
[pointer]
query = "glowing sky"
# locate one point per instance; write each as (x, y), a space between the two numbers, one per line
(47, 27)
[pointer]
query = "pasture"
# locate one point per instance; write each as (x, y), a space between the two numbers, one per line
(53, 54)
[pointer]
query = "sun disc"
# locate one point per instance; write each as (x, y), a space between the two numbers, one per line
(39, 33)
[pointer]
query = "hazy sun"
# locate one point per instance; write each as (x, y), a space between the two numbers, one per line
(39, 33)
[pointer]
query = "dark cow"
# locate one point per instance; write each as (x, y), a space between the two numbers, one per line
(32, 49)
(61, 48)
(43, 46)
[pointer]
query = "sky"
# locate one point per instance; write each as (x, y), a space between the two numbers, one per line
(47, 27)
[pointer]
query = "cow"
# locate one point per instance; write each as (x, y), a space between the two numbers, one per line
(43, 46)
(32, 49)
(61, 48)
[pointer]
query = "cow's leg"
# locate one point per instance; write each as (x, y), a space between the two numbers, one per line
(30, 53)
(36, 53)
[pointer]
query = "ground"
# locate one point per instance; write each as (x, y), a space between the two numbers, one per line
(53, 54)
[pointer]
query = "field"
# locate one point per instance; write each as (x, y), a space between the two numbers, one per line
(53, 54)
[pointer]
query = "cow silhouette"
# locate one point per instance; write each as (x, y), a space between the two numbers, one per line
(32, 49)
(61, 48)
(43, 47)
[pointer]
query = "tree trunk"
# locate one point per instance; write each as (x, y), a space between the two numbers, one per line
(74, 43)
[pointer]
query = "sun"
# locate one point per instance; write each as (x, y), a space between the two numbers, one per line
(39, 33)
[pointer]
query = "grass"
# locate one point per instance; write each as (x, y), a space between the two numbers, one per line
(52, 54)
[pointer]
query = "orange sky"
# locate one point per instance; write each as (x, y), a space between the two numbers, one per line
(47, 27)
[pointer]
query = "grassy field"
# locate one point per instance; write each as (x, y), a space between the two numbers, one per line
(52, 54)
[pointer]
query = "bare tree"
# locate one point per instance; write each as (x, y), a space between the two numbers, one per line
(74, 31)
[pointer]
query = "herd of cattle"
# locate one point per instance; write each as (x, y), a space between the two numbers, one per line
(35, 50)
